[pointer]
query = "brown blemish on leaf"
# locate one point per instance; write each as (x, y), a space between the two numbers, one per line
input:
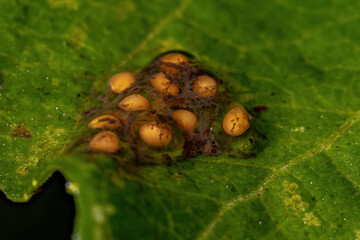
(21, 132)
(90, 111)
(260, 108)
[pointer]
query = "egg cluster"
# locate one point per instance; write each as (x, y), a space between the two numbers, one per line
(172, 107)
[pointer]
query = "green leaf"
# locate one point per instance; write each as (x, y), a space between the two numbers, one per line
(300, 59)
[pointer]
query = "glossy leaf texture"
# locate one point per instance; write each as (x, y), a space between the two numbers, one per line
(300, 59)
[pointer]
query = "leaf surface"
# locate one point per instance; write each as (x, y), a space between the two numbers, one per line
(299, 59)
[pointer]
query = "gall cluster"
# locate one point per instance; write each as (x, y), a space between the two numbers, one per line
(171, 108)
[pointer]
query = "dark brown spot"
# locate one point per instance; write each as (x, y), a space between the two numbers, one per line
(260, 108)
(90, 111)
(21, 132)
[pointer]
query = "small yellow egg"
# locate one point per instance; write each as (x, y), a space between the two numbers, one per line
(121, 81)
(205, 86)
(186, 120)
(161, 83)
(174, 58)
(105, 121)
(155, 133)
(236, 121)
(134, 102)
(105, 141)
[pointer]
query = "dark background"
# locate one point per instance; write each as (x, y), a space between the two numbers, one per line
(48, 215)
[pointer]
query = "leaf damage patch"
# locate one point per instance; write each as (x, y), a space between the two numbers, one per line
(190, 109)
(296, 204)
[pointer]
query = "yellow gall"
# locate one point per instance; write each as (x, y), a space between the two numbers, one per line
(134, 102)
(173, 58)
(105, 121)
(121, 81)
(186, 120)
(205, 86)
(105, 141)
(236, 121)
(161, 83)
(156, 134)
